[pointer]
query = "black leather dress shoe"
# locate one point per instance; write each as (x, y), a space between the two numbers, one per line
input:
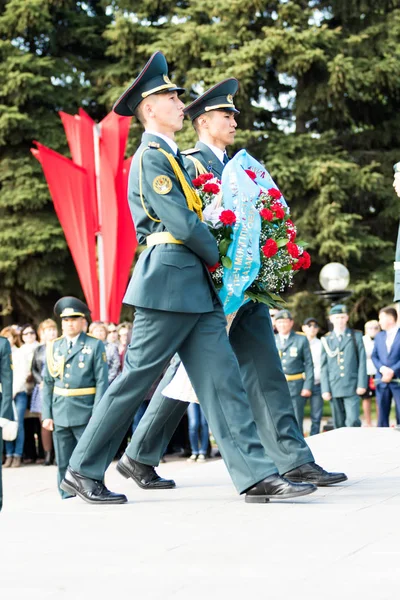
(313, 473)
(276, 487)
(90, 490)
(144, 475)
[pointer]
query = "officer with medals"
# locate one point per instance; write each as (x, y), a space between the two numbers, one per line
(176, 310)
(6, 380)
(213, 115)
(75, 379)
(297, 364)
(343, 369)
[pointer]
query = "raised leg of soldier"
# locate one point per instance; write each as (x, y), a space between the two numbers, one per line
(213, 370)
(156, 336)
(252, 339)
(158, 424)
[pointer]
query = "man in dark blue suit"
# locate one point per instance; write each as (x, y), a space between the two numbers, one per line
(386, 358)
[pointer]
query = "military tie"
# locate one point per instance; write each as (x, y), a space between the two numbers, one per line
(226, 159)
(70, 344)
(179, 157)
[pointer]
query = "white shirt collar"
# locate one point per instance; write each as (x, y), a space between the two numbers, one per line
(72, 339)
(217, 151)
(171, 143)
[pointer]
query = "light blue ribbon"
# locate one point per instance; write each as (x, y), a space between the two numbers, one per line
(239, 194)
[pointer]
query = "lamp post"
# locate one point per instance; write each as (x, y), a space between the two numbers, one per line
(334, 279)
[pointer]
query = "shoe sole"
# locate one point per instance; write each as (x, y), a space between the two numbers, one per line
(66, 487)
(267, 498)
(122, 470)
(317, 483)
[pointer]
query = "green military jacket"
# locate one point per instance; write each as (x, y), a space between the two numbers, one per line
(167, 277)
(296, 358)
(6, 380)
(343, 368)
(74, 380)
(206, 157)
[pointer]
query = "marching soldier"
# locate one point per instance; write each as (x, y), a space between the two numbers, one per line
(177, 310)
(75, 379)
(6, 411)
(213, 115)
(343, 369)
(297, 364)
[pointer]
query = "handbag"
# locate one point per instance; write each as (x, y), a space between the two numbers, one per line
(9, 428)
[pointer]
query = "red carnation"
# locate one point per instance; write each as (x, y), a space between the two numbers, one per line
(306, 260)
(278, 210)
(291, 230)
(267, 214)
(202, 179)
(211, 188)
(293, 249)
(274, 193)
(214, 267)
(270, 248)
(251, 174)
(227, 217)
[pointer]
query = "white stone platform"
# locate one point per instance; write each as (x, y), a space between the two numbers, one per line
(201, 541)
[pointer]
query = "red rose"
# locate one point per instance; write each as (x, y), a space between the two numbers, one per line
(274, 193)
(267, 214)
(214, 267)
(293, 249)
(227, 217)
(197, 182)
(211, 188)
(278, 210)
(251, 174)
(306, 260)
(270, 248)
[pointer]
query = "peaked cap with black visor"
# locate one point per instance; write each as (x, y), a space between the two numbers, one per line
(219, 97)
(152, 79)
(69, 307)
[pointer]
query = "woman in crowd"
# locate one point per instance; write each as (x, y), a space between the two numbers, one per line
(198, 432)
(112, 335)
(47, 332)
(13, 337)
(124, 338)
(371, 328)
(22, 360)
(99, 330)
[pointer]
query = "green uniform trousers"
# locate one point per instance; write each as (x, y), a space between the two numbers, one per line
(298, 401)
(212, 367)
(252, 338)
(65, 440)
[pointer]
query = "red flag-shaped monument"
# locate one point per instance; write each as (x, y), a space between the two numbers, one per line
(89, 194)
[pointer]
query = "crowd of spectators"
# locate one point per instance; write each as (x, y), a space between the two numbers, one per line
(381, 354)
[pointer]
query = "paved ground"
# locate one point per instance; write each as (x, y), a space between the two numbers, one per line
(201, 541)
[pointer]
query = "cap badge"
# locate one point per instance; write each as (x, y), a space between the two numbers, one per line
(167, 80)
(230, 98)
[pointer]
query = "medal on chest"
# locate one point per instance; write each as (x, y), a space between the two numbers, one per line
(293, 352)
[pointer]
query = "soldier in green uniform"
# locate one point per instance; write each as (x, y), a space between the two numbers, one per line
(251, 335)
(343, 369)
(177, 310)
(75, 379)
(297, 364)
(6, 411)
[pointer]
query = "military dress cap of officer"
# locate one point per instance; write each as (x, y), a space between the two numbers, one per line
(6, 380)
(343, 370)
(219, 97)
(201, 159)
(297, 365)
(75, 380)
(177, 310)
(152, 79)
